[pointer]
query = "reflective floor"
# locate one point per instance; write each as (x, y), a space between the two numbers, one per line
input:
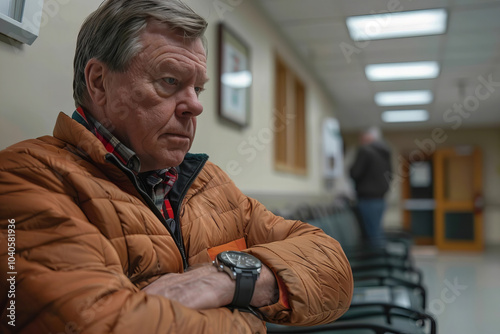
(463, 290)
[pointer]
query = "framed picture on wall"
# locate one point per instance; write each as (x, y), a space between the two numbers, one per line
(235, 77)
(333, 147)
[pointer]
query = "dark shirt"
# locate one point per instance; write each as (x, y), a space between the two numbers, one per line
(372, 171)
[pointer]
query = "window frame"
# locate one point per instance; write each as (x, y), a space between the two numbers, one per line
(25, 30)
(290, 139)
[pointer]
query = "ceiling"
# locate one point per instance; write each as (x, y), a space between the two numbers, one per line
(469, 49)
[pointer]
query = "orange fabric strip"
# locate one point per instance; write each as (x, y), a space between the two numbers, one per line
(236, 245)
(283, 292)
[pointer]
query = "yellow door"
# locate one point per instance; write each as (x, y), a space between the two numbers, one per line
(458, 195)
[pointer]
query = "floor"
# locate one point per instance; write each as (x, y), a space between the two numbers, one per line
(463, 290)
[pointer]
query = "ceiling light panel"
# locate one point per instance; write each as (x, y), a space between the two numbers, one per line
(395, 25)
(403, 98)
(402, 71)
(403, 116)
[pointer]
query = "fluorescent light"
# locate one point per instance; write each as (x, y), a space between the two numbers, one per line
(241, 79)
(403, 98)
(399, 116)
(402, 71)
(394, 25)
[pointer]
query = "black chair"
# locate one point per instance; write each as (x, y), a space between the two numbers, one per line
(340, 222)
(377, 318)
(388, 294)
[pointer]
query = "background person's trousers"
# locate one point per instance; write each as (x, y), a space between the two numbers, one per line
(371, 211)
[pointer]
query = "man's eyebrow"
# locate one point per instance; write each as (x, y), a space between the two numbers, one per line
(170, 65)
(204, 79)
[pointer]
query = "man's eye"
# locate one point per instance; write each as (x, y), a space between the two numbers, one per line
(198, 90)
(170, 81)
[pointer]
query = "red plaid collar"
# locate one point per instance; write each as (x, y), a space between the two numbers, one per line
(110, 142)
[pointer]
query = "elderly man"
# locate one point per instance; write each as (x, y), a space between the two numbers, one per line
(116, 226)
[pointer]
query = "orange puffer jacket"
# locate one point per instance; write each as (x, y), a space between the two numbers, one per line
(86, 242)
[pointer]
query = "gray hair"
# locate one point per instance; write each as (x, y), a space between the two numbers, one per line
(111, 34)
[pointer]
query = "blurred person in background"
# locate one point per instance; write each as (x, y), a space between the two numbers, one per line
(371, 173)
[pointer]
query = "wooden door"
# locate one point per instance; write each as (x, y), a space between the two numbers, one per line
(458, 213)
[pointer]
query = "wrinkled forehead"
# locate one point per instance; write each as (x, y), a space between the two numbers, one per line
(175, 37)
(167, 50)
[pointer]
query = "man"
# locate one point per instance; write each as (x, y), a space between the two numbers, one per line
(116, 225)
(371, 172)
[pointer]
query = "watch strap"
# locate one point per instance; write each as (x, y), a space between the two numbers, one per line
(245, 285)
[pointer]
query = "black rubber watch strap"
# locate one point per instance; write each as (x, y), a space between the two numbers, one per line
(245, 285)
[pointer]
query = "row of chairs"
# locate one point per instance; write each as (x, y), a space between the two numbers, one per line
(389, 296)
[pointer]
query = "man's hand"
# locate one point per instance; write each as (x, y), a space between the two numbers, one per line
(203, 287)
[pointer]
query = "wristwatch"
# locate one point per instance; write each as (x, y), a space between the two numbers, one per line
(244, 269)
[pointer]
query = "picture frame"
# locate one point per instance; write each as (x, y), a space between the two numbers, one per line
(333, 147)
(235, 78)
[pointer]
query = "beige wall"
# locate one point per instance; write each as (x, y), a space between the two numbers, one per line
(487, 139)
(36, 80)
(39, 85)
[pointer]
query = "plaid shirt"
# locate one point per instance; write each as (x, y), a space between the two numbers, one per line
(157, 183)
(160, 182)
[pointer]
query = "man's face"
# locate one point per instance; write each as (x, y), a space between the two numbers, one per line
(152, 106)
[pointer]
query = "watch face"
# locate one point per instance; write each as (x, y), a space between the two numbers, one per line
(240, 260)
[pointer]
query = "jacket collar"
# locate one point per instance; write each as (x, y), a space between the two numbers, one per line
(86, 145)
(112, 144)
(74, 133)
(188, 171)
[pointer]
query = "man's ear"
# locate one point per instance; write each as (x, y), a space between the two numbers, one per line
(95, 72)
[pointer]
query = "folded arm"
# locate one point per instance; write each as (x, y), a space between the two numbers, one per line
(311, 266)
(204, 287)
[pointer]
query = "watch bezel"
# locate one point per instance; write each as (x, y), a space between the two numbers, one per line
(234, 269)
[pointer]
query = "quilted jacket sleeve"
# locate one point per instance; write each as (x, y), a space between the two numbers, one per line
(314, 269)
(68, 277)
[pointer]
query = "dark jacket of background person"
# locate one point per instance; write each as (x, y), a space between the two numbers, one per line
(372, 170)
(87, 242)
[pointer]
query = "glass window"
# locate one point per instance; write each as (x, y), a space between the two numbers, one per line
(12, 8)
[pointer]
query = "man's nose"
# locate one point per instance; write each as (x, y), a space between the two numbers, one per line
(188, 104)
